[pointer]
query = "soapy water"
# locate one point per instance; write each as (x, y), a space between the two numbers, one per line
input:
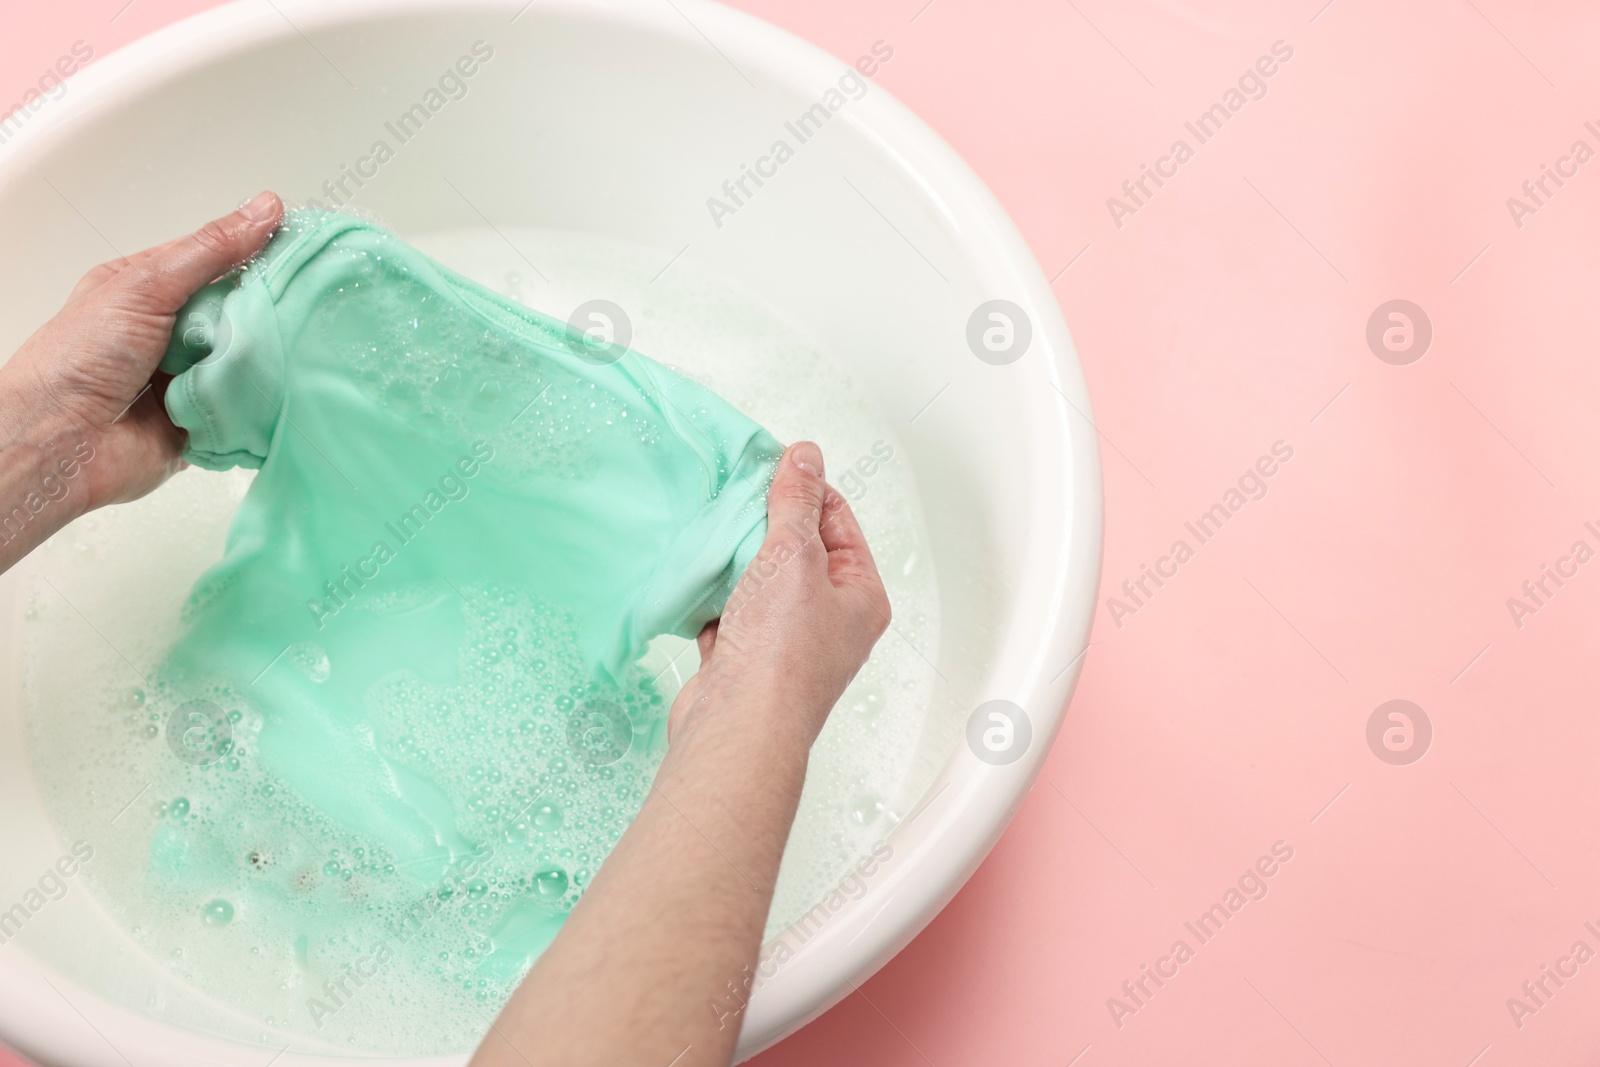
(239, 886)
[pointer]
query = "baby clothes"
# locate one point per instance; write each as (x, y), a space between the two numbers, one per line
(435, 463)
(374, 387)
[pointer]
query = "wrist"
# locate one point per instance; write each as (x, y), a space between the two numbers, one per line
(756, 711)
(754, 728)
(41, 463)
(737, 780)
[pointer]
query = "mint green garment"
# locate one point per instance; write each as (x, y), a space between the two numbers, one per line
(426, 450)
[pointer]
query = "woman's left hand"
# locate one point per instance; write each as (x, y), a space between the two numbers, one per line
(86, 382)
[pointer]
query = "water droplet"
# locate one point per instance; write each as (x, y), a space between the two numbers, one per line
(217, 913)
(551, 882)
(180, 808)
(312, 661)
(404, 395)
(864, 809)
(487, 397)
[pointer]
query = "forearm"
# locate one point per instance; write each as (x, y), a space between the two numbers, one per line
(655, 960)
(40, 466)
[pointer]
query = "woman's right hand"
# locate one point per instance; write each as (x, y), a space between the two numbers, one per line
(801, 621)
(618, 985)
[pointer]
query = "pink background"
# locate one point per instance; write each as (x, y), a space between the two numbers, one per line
(1229, 712)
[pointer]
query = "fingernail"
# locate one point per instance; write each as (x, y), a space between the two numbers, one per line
(808, 457)
(262, 208)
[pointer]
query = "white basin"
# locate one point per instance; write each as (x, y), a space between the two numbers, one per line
(618, 118)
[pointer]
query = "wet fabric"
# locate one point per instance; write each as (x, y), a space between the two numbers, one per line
(437, 462)
(372, 386)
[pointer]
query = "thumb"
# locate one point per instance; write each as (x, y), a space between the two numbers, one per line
(794, 503)
(172, 274)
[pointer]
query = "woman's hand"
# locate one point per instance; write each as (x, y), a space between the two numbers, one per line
(87, 381)
(801, 621)
(656, 962)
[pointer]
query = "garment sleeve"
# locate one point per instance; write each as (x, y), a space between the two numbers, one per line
(713, 545)
(228, 365)
(697, 573)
